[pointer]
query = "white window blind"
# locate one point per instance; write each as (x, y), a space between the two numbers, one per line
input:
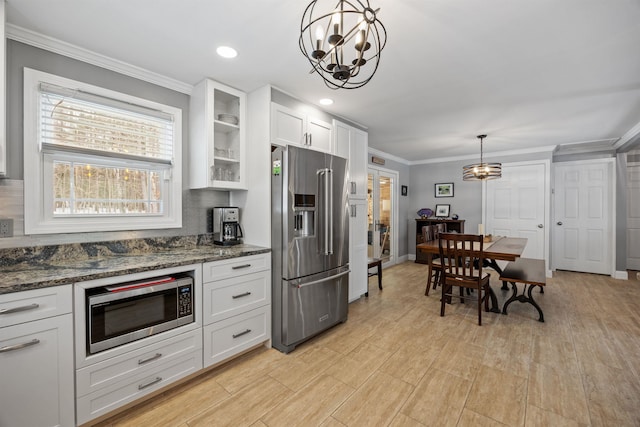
(85, 123)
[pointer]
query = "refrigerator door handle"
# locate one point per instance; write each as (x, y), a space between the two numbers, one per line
(327, 193)
(326, 279)
(330, 208)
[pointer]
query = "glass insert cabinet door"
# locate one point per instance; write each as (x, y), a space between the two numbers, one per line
(380, 191)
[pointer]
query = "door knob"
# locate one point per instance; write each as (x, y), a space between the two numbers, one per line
(540, 226)
(559, 222)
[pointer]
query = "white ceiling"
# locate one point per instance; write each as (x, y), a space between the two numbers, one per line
(527, 73)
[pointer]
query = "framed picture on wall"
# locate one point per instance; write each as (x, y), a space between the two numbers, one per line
(442, 211)
(404, 190)
(444, 189)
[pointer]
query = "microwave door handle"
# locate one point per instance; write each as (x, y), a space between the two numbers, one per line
(241, 233)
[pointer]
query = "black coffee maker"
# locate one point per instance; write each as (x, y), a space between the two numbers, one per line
(226, 226)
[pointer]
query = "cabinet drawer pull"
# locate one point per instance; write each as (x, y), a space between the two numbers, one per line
(151, 359)
(237, 267)
(246, 294)
(17, 309)
(149, 384)
(241, 333)
(19, 346)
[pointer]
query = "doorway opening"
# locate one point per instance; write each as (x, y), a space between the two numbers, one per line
(381, 215)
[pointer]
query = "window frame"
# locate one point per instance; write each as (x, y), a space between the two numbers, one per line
(38, 193)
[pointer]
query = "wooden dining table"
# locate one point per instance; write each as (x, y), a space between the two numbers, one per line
(498, 249)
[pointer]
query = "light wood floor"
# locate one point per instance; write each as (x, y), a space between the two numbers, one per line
(396, 362)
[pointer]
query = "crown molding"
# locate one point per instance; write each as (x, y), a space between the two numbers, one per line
(629, 138)
(60, 47)
(545, 149)
(388, 156)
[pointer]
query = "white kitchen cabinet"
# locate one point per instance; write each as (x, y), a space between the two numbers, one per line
(124, 366)
(293, 127)
(36, 358)
(137, 385)
(236, 307)
(3, 96)
(112, 378)
(358, 277)
(217, 147)
(353, 143)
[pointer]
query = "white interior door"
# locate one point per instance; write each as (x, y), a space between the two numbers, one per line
(382, 221)
(633, 216)
(583, 215)
(517, 205)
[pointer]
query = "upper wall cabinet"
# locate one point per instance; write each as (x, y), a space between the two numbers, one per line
(291, 127)
(353, 144)
(217, 146)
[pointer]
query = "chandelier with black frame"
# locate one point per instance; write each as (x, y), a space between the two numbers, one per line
(342, 40)
(481, 171)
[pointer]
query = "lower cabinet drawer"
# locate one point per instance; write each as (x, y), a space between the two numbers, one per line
(230, 297)
(134, 387)
(102, 374)
(231, 336)
(20, 307)
(218, 270)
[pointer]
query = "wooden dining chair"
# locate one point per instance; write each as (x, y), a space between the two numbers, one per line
(429, 233)
(462, 258)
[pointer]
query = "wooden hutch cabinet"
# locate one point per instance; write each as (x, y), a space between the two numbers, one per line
(456, 225)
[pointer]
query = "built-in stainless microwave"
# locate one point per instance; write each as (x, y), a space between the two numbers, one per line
(127, 312)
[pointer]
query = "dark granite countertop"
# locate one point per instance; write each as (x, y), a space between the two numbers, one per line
(23, 269)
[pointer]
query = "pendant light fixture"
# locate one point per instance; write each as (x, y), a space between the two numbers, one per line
(342, 39)
(481, 171)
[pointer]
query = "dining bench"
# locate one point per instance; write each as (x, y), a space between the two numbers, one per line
(529, 272)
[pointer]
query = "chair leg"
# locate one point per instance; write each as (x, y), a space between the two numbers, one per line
(479, 308)
(487, 292)
(443, 299)
(426, 291)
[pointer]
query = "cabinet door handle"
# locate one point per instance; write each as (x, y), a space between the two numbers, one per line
(305, 138)
(241, 333)
(17, 309)
(150, 359)
(150, 383)
(353, 187)
(246, 294)
(310, 136)
(19, 346)
(237, 267)
(354, 212)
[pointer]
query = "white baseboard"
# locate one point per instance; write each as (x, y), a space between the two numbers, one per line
(411, 257)
(402, 258)
(549, 273)
(622, 275)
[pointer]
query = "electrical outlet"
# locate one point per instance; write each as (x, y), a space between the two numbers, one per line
(6, 227)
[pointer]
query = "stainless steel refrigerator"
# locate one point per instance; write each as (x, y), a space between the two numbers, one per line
(310, 244)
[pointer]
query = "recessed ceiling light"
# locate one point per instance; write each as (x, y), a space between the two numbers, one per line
(227, 52)
(326, 101)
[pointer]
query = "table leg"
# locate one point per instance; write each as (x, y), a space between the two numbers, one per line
(523, 298)
(380, 275)
(494, 265)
